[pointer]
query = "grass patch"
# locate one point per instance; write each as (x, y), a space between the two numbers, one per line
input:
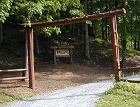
(124, 94)
(4, 97)
(133, 52)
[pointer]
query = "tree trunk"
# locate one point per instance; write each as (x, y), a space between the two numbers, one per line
(124, 53)
(116, 3)
(124, 42)
(26, 65)
(87, 54)
(106, 22)
(1, 33)
(135, 43)
(139, 44)
(103, 29)
(92, 28)
(37, 44)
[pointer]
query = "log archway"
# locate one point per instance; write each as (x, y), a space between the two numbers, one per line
(111, 15)
(114, 37)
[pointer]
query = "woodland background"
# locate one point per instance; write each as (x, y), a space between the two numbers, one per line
(82, 35)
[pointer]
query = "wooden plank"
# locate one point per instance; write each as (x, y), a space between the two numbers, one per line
(62, 47)
(62, 51)
(12, 78)
(129, 69)
(13, 70)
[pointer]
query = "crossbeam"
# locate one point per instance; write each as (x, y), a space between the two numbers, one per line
(13, 70)
(12, 78)
(75, 20)
(129, 69)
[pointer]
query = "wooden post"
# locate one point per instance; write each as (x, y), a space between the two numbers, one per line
(115, 46)
(31, 59)
(1, 32)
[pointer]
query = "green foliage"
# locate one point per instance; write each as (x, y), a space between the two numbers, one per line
(133, 52)
(45, 10)
(128, 26)
(48, 31)
(5, 6)
(123, 94)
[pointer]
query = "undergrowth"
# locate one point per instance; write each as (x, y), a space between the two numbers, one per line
(123, 94)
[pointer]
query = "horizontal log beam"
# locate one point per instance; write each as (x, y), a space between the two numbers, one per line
(75, 20)
(133, 81)
(13, 70)
(62, 47)
(129, 69)
(12, 78)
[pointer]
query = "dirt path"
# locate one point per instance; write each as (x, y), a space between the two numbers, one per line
(50, 77)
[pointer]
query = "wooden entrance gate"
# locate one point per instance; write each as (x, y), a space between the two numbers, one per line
(114, 37)
(111, 15)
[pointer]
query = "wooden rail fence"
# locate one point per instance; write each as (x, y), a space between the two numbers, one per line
(13, 78)
(130, 69)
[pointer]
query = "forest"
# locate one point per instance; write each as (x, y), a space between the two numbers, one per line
(16, 12)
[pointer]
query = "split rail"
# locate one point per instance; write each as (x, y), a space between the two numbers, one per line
(13, 78)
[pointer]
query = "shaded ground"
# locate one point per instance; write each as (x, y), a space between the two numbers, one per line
(50, 77)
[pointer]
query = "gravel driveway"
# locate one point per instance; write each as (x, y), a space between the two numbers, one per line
(80, 96)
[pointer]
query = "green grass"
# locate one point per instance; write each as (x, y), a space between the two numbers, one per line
(133, 52)
(9, 97)
(124, 94)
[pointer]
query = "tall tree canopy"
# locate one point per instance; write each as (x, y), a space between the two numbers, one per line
(5, 6)
(45, 10)
(27, 11)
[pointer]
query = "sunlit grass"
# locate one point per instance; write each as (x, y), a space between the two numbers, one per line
(9, 97)
(133, 52)
(123, 94)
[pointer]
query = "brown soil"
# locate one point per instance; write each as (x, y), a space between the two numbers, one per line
(49, 77)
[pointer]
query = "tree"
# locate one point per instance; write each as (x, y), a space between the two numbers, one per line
(45, 10)
(5, 6)
(1, 32)
(87, 53)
